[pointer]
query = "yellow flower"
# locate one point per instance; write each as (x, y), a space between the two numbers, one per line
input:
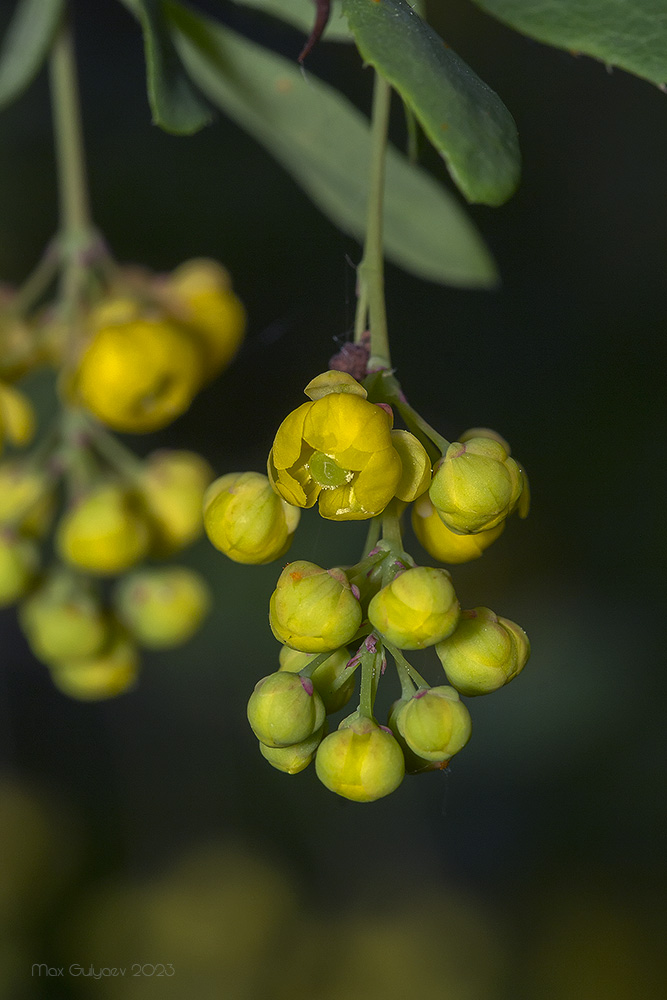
(110, 673)
(199, 294)
(336, 449)
(104, 532)
(138, 375)
(17, 417)
(476, 484)
(446, 545)
(361, 761)
(245, 519)
(172, 489)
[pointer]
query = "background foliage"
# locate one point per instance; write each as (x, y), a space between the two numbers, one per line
(553, 821)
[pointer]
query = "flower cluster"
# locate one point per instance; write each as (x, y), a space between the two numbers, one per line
(340, 451)
(131, 359)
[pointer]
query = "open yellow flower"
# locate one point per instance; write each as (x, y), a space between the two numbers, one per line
(336, 449)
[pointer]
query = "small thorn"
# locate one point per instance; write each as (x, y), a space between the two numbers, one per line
(322, 13)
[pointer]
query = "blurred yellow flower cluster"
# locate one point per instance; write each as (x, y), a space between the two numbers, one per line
(131, 351)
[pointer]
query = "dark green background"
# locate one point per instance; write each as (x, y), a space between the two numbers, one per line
(550, 827)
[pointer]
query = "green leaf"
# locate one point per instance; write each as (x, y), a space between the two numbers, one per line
(26, 45)
(301, 14)
(630, 34)
(176, 106)
(464, 119)
(324, 142)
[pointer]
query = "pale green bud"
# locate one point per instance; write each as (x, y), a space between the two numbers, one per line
(162, 607)
(330, 680)
(476, 485)
(285, 709)
(313, 609)
(434, 723)
(110, 673)
(247, 520)
(417, 609)
(413, 763)
(19, 559)
(484, 653)
(362, 761)
(294, 758)
(63, 620)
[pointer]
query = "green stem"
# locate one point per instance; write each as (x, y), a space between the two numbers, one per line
(373, 536)
(413, 674)
(407, 685)
(420, 428)
(366, 692)
(391, 528)
(36, 284)
(116, 454)
(371, 271)
(72, 190)
(75, 231)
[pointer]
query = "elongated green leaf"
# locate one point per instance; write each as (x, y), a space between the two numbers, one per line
(301, 14)
(323, 141)
(464, 119)
(26, 45)
(175, 104)
(630, 34)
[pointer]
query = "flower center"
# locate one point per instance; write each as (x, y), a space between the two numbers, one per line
(326, 472)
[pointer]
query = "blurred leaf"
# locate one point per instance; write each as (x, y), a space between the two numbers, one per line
(301, 14)
(323, 141)
(631, 34)
(175, 104)
(464, 119)
(26, 45)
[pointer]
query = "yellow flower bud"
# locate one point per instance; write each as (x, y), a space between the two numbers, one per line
(333, 381)
(199, 294)
(446, 545)
(362, 761)
(417, 609)
(416, 475)
(476, 485)
(162, 608)
(105, 532)
(312, 609)
(483, 653)
(327, 678)
(139, 375)
(336, 450)
(110, 673)
(26, 497)
(17, 415)
(434, 723)
(295, 758)
(172, 489)
(285, 709)
(247, 520)
(19, 559)
(63, 620)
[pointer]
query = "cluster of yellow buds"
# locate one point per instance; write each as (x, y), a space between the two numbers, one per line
(130, 358)
(340, 451)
